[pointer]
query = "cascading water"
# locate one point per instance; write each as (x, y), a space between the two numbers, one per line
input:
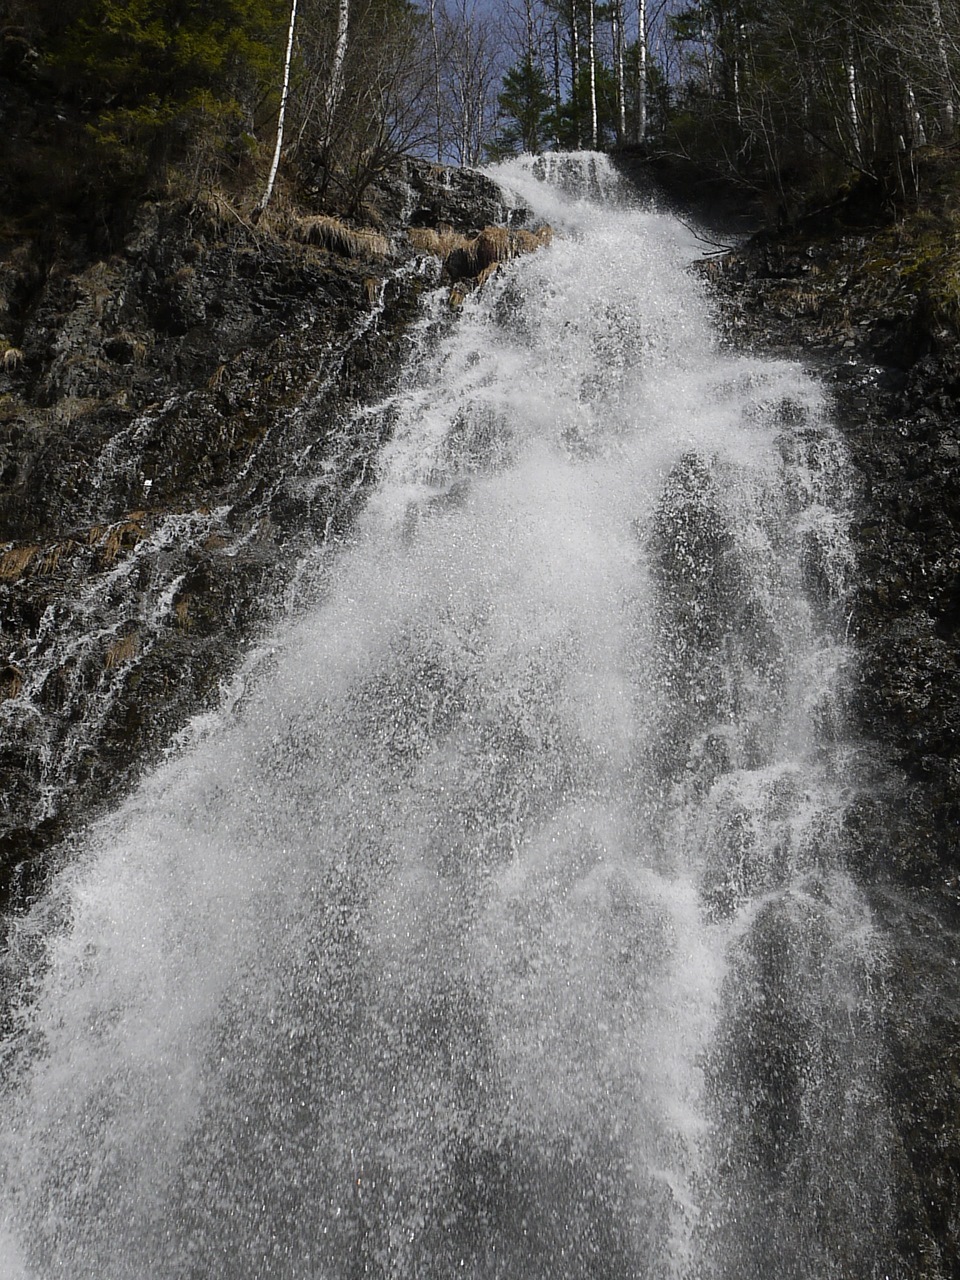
(502, 929)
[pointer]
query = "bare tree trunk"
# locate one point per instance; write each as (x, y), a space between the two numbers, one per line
(916, 134)
(708, 55)
(737, 43)
(616, 18)
(284, 94)
(575, 58)
(531, 38)
(947, 114)
(437, 94)
(641, 70)
(853, 111)
(557, 99)
(335, 83)
(592, 53)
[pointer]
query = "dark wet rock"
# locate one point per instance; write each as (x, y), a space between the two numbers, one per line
(177, 427)
(892, 365)
(420, 194)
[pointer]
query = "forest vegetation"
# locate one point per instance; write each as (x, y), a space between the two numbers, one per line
(790, 101)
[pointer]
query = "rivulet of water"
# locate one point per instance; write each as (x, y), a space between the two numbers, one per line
(502, 928)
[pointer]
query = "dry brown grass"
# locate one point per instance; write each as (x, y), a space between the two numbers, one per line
(214, 212)
(15, 561)
(123, 649)
(492, 245)
(439, 241)
(11, 682)
(109, 539)
(55, 553)
(332, 234)
(531, 241)
(181, 611)
(124, 535)
(70, 408)
(98, 283)
(136, 346)
(479, 257)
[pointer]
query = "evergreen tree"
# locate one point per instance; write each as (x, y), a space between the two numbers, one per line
(155, 76)
(525, 101)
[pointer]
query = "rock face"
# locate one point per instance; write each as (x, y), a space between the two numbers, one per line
(178, 424)
(894, 369)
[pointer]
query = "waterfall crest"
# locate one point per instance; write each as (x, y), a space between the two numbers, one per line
(502, 928)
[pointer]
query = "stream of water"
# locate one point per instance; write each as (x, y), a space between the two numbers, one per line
(502, 928)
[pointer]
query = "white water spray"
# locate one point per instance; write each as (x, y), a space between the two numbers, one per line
(503, 930)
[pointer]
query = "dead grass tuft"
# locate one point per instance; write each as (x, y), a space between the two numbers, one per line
(181, 611)
(15, 561)
(492, 245)
(334, 235)
(124, 649)
(124, 347)
(11, 681)
(69, 409)
(531, 241)
(53, 555)
(122, 536)
(475, 259)
(458, 294)
(214, 212)
(439, 241)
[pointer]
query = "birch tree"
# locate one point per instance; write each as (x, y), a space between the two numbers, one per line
(641, 71)
(946, 104)
(284, 94)
(592, 67)
(334, 88)
(575, 70)
(616, 21)
(471, 76)
(437, 85)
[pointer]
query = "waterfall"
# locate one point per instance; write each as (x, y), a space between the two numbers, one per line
(502, 927)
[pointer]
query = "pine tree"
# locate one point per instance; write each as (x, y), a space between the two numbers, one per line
(154, 75)
(525, 101)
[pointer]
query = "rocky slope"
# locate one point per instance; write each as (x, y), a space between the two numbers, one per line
(178, 422)
(857, 304)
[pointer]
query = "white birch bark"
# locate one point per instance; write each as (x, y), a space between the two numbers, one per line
(641, 70)
(707, 46)
(335, 83)
(947, 113)
(853, 112)
(275, 165)
(592, 53)
(618, 42)
(437, 91)
(575, 57)
(557, 99)
(916, 133)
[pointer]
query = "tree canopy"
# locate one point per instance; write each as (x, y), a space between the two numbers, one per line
(790, 98)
